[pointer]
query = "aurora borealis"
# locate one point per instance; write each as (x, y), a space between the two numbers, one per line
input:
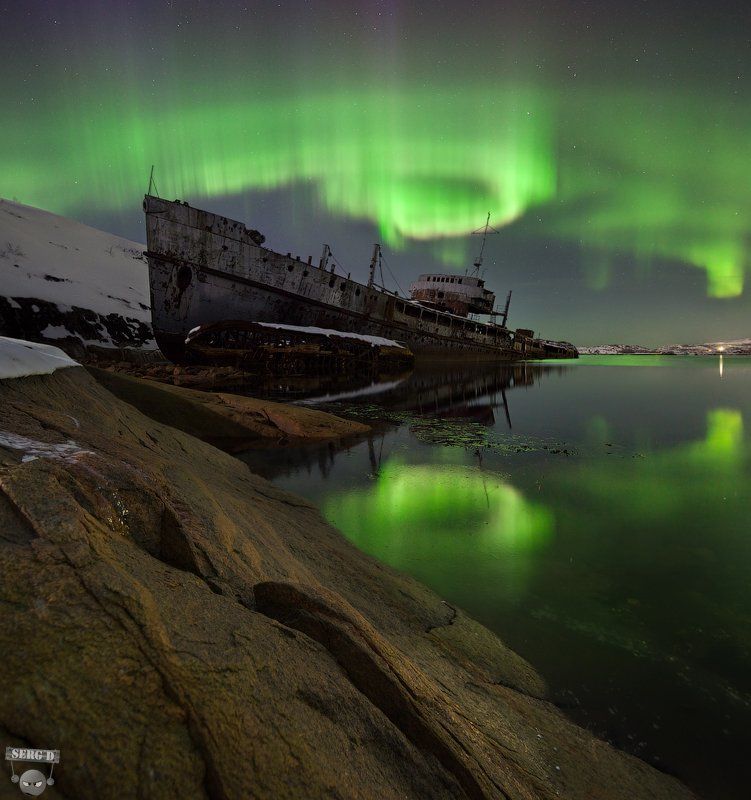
(610, 144)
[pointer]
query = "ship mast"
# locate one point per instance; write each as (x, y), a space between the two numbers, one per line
(152, 183)
(374, 261)
(325, 255)
(485, 230)
(505, 311)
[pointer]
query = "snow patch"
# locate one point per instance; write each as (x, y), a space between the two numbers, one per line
(376, 340)
(19, 358)
(32, 449)
(55, 332)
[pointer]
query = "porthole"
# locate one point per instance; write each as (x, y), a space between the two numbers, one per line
(184, 277)
(290, 267)
(332, 282)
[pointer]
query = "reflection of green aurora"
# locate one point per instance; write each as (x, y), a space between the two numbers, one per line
(661, 559)
(442, 523)
(647, 551)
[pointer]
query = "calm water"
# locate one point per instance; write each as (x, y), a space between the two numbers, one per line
(596, 515)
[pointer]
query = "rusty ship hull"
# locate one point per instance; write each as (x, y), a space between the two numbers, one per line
(206, 268)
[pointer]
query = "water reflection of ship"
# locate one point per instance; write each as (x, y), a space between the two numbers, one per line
(467, 394)
(472, 393)
(317, 388)
(475, 392)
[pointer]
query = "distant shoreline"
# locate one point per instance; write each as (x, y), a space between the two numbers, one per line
(733, 348)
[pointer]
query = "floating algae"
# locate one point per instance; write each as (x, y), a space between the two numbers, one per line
(455, 432)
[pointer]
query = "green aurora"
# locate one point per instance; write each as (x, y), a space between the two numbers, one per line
(606, 140)
(619, 174)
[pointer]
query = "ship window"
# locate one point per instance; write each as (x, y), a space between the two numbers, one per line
(332, 282)
(400, 307)
(342, 286)
(440, 295)
(305, 274)
(460, 280)
(413, 311)
(357, 291)
(290, 267)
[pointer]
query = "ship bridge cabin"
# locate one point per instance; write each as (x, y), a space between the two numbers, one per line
(457, 294)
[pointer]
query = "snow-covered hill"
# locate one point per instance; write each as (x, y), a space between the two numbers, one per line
(730, 347)
(63, 281)
(614, 349)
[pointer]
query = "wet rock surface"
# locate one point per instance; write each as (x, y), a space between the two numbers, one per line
(232, 422)
(179, 627)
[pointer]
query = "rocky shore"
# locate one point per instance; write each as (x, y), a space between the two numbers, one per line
(180, 628)
(229, 421)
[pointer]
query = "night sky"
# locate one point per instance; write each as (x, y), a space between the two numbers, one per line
(611, 142)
